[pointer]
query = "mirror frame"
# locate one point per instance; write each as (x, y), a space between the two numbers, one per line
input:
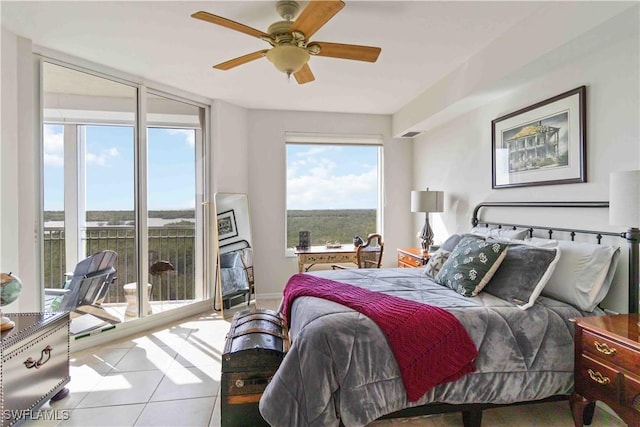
(235, 223)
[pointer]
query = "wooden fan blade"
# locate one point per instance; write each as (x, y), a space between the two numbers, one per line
(241, 60)
(304, 74)
(228, 23)
(348, 51)
(315, 15)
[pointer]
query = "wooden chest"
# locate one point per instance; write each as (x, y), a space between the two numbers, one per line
(256, 344)
(34, 362)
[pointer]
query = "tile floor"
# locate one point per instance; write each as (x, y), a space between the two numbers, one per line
(171, 377)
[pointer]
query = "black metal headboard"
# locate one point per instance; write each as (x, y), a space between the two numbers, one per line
(632, 236)
(234, 246)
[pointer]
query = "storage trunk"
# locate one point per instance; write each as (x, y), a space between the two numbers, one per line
(256, 344)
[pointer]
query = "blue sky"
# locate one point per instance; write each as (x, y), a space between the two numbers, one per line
(332, 177)
(318, 176)
(109, 171)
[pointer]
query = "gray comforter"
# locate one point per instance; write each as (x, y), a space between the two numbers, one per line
(340, 367)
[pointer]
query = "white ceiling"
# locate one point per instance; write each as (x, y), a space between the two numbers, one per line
(422, 42)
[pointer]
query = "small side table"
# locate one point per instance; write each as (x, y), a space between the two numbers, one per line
(411, 258)
(607, 367)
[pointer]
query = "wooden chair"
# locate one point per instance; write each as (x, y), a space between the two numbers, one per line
(368, 255)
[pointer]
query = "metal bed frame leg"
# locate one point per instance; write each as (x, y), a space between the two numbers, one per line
(633, 237)
(472, 418)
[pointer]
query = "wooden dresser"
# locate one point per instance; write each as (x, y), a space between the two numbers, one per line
(411, 258)
(35, 365)
(607, 367)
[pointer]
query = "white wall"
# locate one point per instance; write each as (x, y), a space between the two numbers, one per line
(18, 248)
(456, 156)
(9, 159)
(229, 145)
(267, 185)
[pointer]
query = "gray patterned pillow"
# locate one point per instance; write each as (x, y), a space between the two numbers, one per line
(436, 261)
(471, 265)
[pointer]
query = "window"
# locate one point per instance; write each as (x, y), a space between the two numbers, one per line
(333, 191)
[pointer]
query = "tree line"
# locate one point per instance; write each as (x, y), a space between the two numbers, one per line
(330, 225)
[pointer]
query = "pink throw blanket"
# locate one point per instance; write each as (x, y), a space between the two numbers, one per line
(430, 345)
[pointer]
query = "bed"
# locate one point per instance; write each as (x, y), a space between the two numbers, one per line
(341, 369)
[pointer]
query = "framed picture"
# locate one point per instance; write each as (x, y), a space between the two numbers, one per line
(227, 226)
(542, 144)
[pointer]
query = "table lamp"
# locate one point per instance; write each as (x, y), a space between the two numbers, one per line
(624, 209)
(427, 201)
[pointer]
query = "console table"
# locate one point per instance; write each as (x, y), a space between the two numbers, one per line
(323, 255)
(35, 363)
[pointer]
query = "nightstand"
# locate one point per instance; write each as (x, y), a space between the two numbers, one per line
(411, 258)
(607, 367)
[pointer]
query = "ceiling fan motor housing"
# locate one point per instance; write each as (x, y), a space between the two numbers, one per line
(279, 29)
(287, 9)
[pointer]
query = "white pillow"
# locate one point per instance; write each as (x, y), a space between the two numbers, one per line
(506, 234)
(583, 274)
(482, 230)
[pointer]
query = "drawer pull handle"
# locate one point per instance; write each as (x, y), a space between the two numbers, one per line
(46, 352)
(598, 377)
(604, 348)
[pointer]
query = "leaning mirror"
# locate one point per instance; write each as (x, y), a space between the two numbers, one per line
(235, 284)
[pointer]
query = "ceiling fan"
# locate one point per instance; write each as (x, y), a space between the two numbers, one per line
(291, 47)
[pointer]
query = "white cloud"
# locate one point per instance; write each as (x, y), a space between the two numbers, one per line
(321, 190)
(321, 177)
(188, 134)
(53, 147)
(53, 152)
(113, 152)
(102, 158)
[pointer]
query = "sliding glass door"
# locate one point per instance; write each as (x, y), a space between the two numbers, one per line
(174, 199)
(108, 186)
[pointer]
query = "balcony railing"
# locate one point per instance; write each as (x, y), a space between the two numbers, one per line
(175, 244)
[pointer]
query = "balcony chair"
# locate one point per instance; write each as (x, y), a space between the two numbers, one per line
(369, 254)
(85, 291)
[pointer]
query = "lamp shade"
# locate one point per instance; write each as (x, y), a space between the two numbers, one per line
(624, 198)
(427, 201)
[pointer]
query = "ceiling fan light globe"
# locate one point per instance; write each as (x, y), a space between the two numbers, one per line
(288, 59)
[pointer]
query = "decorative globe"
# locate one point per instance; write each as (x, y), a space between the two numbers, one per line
(10, 288)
